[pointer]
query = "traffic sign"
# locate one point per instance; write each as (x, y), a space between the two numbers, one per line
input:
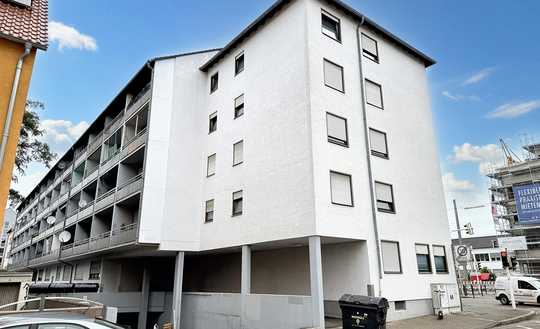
(512, 243)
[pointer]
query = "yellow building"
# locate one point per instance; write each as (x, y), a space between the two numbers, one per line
(23, 30)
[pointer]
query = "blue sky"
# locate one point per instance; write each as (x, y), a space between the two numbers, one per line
(484, 86)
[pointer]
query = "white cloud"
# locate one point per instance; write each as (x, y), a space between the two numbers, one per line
(459, 97)
(69, 37)
(58, 133)
(452, 184)
(487, 156)
(509, 110)
(479, 76)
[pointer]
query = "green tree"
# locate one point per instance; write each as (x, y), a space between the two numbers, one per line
(30, 148)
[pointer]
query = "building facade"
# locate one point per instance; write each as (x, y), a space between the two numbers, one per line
(23, 30)
(9, 220)
(505, 183)
(294, 165)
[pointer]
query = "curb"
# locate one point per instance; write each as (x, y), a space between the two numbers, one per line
(515, 319)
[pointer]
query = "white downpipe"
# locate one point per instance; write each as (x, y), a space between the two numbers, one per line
(11, 105)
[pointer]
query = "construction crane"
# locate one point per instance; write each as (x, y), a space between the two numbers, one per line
(510, 156)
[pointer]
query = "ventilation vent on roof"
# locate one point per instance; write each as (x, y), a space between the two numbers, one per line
(25, 3)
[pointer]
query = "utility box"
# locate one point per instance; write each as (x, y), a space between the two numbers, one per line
(445, 298)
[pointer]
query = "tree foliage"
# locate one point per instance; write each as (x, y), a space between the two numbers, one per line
(30, 148)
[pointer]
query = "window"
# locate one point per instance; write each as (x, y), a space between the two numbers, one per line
(333, 76)
(238, 153)
(40, 275)
(423, 258)
(391, 257)
(369, 48)
(66, 276)
(331, 26)
(239, 106)
(95, 269)
(400, 305)
(237, 203)
(58, 273)
(239, 64)
(482, 257)
(374, 94)
(337, 129)
(47, 274)
(209, 212)
(439, 256)
(211, 165)
(214, 80)
(385, 197)
(378, 143)
(341, 189)
(78, 272)
(212, 123)
(525, 285)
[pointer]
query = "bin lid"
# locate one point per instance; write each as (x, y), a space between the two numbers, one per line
(364, 300)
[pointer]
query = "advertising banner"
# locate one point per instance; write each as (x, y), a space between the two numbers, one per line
(528, 203)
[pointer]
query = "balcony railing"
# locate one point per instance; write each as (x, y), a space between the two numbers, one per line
(93, 145)
(113, 124)
(45, 257)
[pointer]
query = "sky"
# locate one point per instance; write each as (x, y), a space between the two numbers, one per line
(484, 87)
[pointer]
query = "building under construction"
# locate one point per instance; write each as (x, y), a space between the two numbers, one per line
(515, 196)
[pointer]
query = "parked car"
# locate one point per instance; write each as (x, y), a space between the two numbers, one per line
(526, 289)
(53, 320)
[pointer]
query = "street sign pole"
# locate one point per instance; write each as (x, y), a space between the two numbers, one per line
(511, 288)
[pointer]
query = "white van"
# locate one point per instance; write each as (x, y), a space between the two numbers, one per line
(526, 289)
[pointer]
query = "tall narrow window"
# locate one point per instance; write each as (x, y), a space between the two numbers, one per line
(78, 272)
(337, 129)
(95, 269)
(212, 123)
(214, 80)
(341, 189)
(391, 257)
(211, 165)
(423, 259)
(378, 143)
(374, 94)
(239, 106)
(385, 197)
(209, 213)
(333, 76)
(439, 256)
(369, 48)
(239, 64)
(238, 203)
(238, 153)
(330, 26)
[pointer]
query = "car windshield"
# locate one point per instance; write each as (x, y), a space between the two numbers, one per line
(535, 283)
(108, 324)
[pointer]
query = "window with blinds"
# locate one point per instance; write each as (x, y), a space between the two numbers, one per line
(239, 106)
(385, 197)
(378, 143)
(333, 76)
(341, 189)
(391, 257)
(374, 94)
(331, 26)
(211, 165)
(369, 48)
(423, 259)
(209, 212)
(439, 257)
(238, 153)
(337, 129)
(238, 203)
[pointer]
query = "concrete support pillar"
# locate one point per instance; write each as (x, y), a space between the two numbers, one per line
(245, 284)
(315, 270)
(145, 298)
(177, 290)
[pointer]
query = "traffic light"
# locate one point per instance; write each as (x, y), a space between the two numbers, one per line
(513, 262)
(504, 259)
(469, 229)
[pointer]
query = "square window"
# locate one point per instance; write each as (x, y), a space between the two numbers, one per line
(439, 256)
(211, 165)
(374, 94)
(238, 203)
(331, 26)
(239, 106)
(385, 197)
(238, 153)
(341, 189)
(333, 76)
(369, 48)
(212, 123)
(239, 64)
(423, 259)
(209, 213)
(391, 257)
(214, 80)
(378, 143)
(337, 129)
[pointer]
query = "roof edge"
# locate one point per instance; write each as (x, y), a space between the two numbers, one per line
(19, 40)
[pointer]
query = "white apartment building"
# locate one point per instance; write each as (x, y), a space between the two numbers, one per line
(251, 186)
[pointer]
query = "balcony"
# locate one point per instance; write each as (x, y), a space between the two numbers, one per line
(104, 200)
(95, 143)
(131, 186)
(107, 240)
(79, 156)
(138, 101)
(110, 162)
(134, 143)
(114, 124)
(87, 210)
(45, 258)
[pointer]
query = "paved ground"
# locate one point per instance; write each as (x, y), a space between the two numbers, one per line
(479, 313)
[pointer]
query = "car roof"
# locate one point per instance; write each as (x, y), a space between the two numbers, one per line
(42, 317)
